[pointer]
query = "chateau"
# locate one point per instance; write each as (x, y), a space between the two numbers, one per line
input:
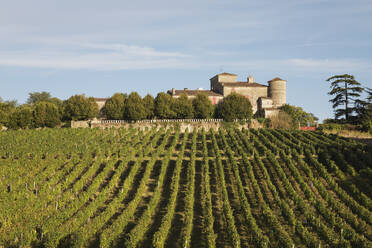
(264, 98)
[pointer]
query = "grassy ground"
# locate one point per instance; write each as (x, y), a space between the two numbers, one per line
(352, 134)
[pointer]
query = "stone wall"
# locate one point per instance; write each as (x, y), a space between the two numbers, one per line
(191, 124)
(77, 124)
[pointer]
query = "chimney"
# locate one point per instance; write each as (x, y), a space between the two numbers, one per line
(173, 91)
(250, 79)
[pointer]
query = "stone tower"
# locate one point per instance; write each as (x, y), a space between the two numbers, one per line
(277, 91)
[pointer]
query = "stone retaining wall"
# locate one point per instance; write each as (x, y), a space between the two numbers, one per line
(189, 124)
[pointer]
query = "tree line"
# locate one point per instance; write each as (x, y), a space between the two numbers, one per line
(43, 110)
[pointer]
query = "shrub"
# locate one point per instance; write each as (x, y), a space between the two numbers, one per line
(282, 120)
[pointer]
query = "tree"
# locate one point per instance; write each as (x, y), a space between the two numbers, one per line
(46, 114)
(235, 106)
(365, 112)
(149, 104)
(346, 91)
(6, 109)
(79, 107)
(298, 115)
(114, 107)
(182, 107)
(203, 107)
(163, 104)
(36, 97)
(283, 120)
(134, 108)
(22, 117)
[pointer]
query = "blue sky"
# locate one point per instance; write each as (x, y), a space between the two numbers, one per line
(102, 47)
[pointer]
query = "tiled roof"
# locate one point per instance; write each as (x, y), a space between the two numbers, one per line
(194, 92)
(243, 84)
(275, 79)
(226, 73)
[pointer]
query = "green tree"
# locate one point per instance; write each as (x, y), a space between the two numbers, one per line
(298, 115)
(163, 106)
(182, 107)
(134, 108)
(35, 97)
(346, 93)
(203, 107)
(235, 106)
(6, 110)
(149, 103)
(79, 107)
(114, 107)
(22, 117)
(46, 114)
(365, 112)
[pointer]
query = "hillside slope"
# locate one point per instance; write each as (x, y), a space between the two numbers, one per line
(132, 188)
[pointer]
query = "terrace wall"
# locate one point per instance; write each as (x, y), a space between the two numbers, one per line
(184, 124)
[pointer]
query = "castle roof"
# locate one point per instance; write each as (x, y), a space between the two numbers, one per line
(243, 84)
(275, 79)
(226, 73)
(194, 92)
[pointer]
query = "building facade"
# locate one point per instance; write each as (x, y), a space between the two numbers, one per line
(264, 98)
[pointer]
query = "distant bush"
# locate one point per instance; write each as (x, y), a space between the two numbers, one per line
(298, 115)
(282, 120)
(338, 127)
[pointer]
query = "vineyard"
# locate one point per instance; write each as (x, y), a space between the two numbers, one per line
(166, 188)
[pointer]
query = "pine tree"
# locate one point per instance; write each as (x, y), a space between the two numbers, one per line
(346, 91)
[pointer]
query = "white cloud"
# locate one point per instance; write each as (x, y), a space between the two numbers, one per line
(304, 65)
(330, 64)
(59, 54)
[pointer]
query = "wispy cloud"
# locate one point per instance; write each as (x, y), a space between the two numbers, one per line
(100, 56)
(304, 65)
(95, 56)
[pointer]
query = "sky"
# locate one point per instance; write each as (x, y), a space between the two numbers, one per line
(100, 47)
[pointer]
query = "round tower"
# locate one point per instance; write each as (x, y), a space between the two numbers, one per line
(278, 91)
